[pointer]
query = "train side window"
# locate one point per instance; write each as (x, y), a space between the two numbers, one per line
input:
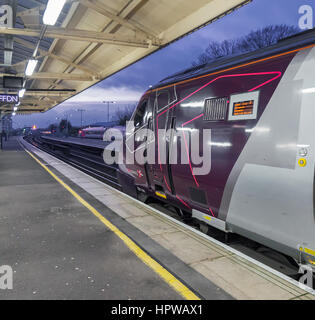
(162, 99)
(140, 115)
(244, 106)
(149, 110)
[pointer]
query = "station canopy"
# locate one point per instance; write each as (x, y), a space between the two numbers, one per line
(92, 40)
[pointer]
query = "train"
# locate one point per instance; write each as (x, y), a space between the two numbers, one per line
(92, 132)
(97, 132)
(259, 111)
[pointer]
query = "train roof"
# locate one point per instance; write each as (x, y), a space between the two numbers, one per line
(294, 42)
(93, 128)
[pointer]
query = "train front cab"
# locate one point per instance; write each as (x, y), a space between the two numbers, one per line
(150, 177)
(167, 175)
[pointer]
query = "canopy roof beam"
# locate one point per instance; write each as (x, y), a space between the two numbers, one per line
(43, 53)
(37, 101)
(61, 76)
(32, 11)
(52, 75)
(83, 35)
(102, 9)
(48, 93)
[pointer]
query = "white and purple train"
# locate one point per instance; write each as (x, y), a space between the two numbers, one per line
(260, 110)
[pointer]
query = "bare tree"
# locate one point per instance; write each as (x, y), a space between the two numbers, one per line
(125, 114)
(253, 41)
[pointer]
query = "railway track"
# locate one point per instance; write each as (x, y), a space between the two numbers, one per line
(90, 163)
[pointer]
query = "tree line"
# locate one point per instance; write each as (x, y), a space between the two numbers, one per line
(255, 40)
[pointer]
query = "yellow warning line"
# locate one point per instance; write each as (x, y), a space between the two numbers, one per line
(143, 256)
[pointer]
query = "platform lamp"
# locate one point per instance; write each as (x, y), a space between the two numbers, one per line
(81, 110)
(52, 11)
(31, 65)
(67, 115)
(108, 102)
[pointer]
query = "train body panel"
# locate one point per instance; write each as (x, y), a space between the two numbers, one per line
(254, 122)
(273, 193)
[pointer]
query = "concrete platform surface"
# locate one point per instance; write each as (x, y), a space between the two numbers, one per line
(57, 249)
(11, 144)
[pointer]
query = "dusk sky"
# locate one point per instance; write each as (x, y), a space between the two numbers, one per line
(130, 83)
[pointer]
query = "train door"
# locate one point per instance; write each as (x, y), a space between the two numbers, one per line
(159, 173)
(137, 139)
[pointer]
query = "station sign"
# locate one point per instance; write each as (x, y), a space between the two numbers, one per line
(9, 98)
(6, 16)
(10, 82)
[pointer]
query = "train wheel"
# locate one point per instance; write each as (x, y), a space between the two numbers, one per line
(204, 228)
(184, 215)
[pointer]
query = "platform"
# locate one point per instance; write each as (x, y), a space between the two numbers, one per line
(60, 248)
(85, 142)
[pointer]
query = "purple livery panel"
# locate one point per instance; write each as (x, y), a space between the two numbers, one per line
(184, 110)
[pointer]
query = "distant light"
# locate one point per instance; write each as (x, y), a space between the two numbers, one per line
(21, 93)
(13, 113)
(31, 65)
(150, 86)
(34, 127)
(52, 12)
(15, 108)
